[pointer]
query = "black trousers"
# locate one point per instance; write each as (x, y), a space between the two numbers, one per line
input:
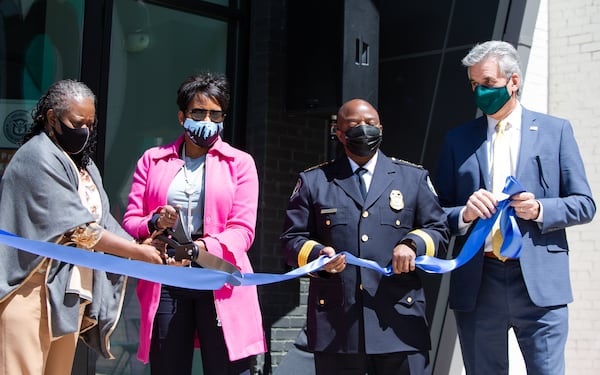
(402, 363)
(183, 313)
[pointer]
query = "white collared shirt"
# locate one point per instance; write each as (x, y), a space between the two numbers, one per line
(514, 119)
(369, 166)
(513, 132)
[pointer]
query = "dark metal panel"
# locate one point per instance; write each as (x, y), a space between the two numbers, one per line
(95, 62)
(332, 54)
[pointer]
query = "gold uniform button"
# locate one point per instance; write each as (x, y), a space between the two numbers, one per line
(328, 222)
(365, 214)
(398, 222)
(364, 238)
(360, 287)
(321, 302)
(409, 299)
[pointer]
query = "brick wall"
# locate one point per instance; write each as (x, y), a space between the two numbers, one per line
(574, 93)
(283, 145)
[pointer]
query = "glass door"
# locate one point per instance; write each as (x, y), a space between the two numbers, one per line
(40, 42)
(153, 49)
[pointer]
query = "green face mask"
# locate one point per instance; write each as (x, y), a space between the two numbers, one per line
(491, 99)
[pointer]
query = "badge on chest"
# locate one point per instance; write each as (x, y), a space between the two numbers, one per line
(396, 200)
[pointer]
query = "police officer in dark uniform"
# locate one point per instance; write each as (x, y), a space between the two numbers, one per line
(359, 321)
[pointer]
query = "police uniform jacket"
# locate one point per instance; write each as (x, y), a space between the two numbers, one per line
(359, 310)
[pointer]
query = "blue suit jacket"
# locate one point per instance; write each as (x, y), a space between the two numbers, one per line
(550, 167)
(359, 304)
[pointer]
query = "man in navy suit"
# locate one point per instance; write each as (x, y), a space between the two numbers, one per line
(359, 321)
(529, 294)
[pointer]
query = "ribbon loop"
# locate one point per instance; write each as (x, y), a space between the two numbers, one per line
(511, 247)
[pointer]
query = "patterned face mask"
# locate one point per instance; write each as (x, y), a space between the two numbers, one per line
(203, 133)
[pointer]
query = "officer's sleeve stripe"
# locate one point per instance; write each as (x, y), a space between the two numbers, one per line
(429, 246)
(305, 251)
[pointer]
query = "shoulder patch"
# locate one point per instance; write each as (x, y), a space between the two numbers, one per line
(296, 188)
(405, 162)
(430, 185)
(316, 166)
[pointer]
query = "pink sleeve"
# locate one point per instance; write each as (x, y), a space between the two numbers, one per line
(238, 229)
(135, 220)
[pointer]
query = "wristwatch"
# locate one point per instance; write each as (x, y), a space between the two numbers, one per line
(153, 223)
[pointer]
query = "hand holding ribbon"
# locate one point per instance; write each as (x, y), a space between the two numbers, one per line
(511, 247)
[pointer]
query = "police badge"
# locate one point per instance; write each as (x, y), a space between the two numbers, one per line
(396, 200)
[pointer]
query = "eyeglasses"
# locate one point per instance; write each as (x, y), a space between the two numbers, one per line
(199, 114)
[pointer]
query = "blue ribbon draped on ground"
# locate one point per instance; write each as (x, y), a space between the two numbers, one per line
(209, 279)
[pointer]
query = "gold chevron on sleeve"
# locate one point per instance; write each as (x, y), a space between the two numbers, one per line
(305, 252)
(429, 246)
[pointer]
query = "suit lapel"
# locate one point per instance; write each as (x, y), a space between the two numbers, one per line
(480, 136)
(530, 129)
(382, 178)
(346, 180)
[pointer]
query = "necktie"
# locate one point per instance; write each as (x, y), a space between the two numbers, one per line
(363, 187)
(500, 170)
(500, 159)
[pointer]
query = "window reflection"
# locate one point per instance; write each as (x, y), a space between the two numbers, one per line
(40, 43)
(168, 45)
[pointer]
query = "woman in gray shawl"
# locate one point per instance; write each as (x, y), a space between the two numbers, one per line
(52, 191)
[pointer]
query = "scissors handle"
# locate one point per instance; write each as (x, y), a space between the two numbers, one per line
(186, 249)
(178, 250)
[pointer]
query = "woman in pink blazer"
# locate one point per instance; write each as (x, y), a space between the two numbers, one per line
(216, 187)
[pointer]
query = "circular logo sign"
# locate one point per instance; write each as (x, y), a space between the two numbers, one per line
(16, 124)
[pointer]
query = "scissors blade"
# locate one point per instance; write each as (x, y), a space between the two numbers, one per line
(213, 262)
(180, 231)
(204, 258)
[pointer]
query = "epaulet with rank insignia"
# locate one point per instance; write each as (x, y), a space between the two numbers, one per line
(317, 166)
(400, 161)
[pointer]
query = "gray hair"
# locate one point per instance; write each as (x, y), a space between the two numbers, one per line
(504, 53)
(58, 98)
(59, 95)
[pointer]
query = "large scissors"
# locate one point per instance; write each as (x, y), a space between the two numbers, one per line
(181, 246)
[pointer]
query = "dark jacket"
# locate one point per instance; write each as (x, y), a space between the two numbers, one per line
(358, 304)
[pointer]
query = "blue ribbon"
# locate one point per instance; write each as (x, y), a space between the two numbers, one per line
(184, 277)
(209, 279)
(511, 247)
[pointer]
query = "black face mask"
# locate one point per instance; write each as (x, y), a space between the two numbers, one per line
(363, 140)
(72, 140)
